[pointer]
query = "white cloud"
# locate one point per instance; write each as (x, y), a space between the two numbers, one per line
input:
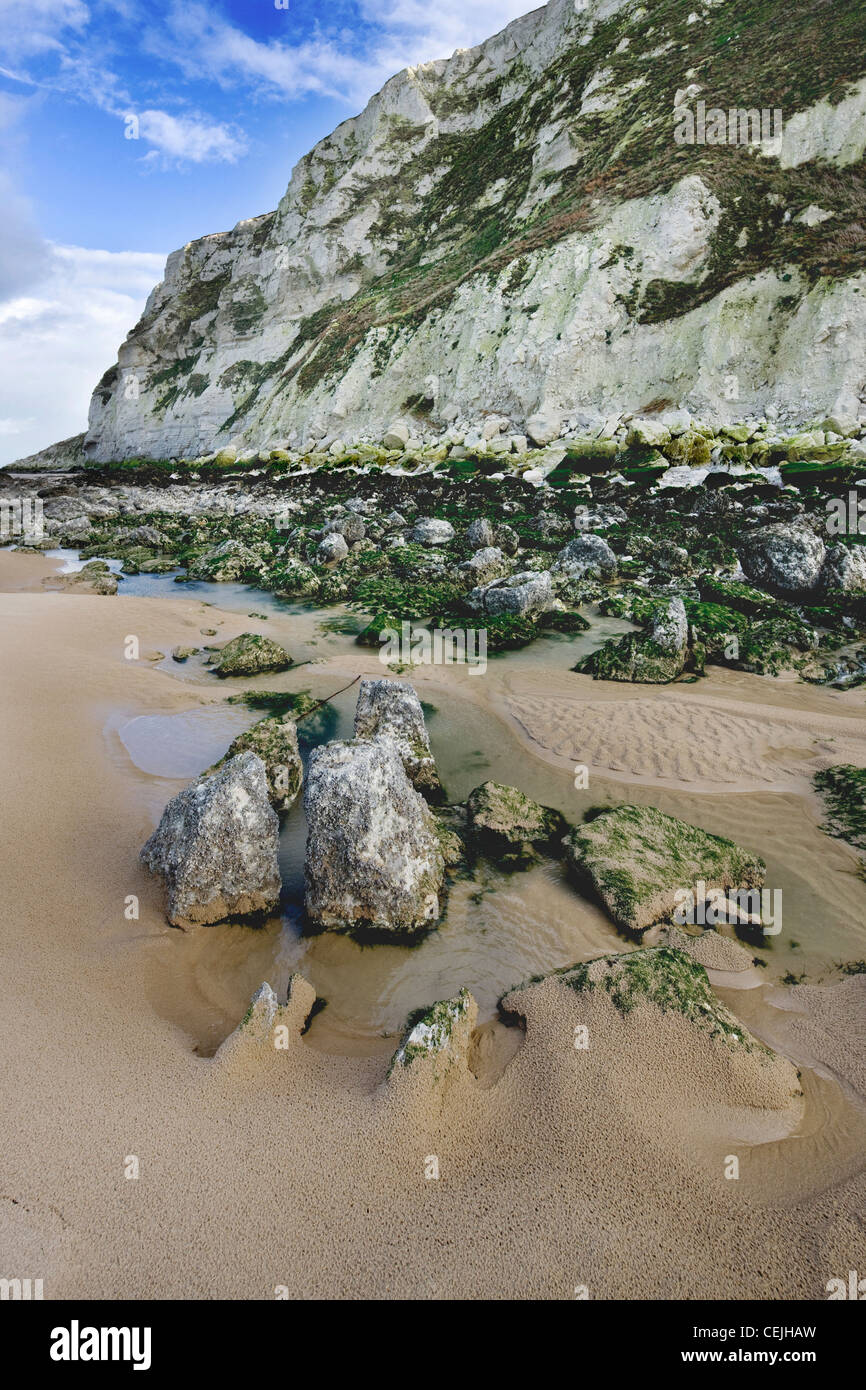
(181, 138)
(37, 27)
(56, 341)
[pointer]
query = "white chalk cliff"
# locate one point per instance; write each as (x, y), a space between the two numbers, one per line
(515, 230)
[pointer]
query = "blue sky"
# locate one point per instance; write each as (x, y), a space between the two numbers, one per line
(226, 97)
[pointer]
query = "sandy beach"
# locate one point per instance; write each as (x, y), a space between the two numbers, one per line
(304, 1170)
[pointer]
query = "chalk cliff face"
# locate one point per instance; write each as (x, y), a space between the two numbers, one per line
(516, 229)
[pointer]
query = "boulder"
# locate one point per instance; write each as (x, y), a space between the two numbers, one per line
(845, 569)
(529, 592)
(598, 518)
(227, 562)
(480, 534)
(670, 629)
(645, 658)
(94, 578)
(275, 741)
(786, 557)
(485, 566)
(647, 433)
(510, 828)
(251, 655)
(332, 548)
(350, 527)
(216, 847)
(396, 437)
(587, 557)
(639, 861)
(391, 709)
(374, 866)
(429, 530)
(435, 1040)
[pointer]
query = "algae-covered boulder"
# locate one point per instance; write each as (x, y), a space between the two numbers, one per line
(429, 530)
(216, 847)
(250, 655)
(843, 789)
(640, 861)
(509, 827)
(374, 865)
(485, 566)
(845, 569)
(436, 1038)
(291, 578)
(516, 596)
(653, 657)
(480, 534)
(275, 741)
(94, 578)
(392, 709)
(785, 557)
(230, 561)
(587, 557)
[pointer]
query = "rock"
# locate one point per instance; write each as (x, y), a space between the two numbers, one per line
(587, 557)
(480, 534)
(146, 535)
(391, 709)
(644, 658)
(275, 741)
(786, 557)
(429, 530)
(395, 521)
(397, 437)
(374, 866)
(216, 847)
(510, 828)
(228, 562)
(292, 578)
(436, 1039)
(670, 982)
(269, 1029)
(670, 630)
(183, 653)
(597, 518)
(332, 549)
(351, 528)
(484, 567)
(251, 655)
(226, 456)
(690, 449)
(544, 427)
(520, 594)
(647, 433)
(845, 569)
(94, 578)
(640, 862)
(506, 539)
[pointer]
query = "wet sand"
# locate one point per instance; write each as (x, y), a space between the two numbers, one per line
(303, 1169)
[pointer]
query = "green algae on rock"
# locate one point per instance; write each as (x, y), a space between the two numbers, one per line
(438, 1033)
(511, 828)
(663, 976)
(843, 789)
(251, 655)
(638, 860)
